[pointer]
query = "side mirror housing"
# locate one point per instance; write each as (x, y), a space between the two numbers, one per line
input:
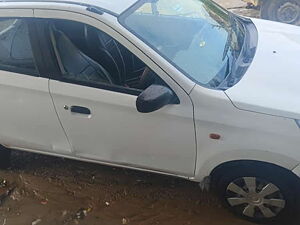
(154, 98)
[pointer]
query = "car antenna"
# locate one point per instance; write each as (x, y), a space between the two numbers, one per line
(95, 10)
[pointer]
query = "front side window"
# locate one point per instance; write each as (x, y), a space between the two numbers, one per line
(90, 57)
(15, 48)
(197, 36)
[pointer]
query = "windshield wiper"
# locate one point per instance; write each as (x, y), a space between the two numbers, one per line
(223, 73)
(232, 31)
(228, 52)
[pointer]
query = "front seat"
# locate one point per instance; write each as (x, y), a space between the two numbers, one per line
(103, 48)
(119, 61)
(74, 63)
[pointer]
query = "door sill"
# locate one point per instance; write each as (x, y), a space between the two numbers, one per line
(87, 159)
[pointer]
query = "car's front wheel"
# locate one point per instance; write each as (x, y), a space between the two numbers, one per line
(258, 194)
(285, 11)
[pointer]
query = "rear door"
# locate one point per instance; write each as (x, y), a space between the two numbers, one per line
(27, 117)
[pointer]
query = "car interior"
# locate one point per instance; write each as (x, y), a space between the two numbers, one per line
(87, 54)
(15, 48)
(83, 53)
(198, 46)
(165, 41)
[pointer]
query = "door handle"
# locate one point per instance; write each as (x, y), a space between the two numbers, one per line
(80, 110)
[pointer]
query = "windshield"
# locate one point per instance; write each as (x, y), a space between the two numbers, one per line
(197, 36)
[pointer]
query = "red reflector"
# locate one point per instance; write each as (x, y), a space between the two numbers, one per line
(215, 136)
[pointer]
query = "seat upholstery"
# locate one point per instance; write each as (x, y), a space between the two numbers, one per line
(76, 64)
(120, 62)
(15, 47)
(104, 49)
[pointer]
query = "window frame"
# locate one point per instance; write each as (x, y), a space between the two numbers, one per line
(34, 47)
(52, 70)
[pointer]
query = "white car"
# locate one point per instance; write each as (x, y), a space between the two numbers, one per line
(177, 87)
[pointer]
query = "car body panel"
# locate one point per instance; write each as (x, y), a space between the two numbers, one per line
(141, 143)
(271, 84)
(27, 116)
(296, 170)
(11, 12)
(244, 135)
(116, 132)
(36, 125)
(172, 138)
(115, 6)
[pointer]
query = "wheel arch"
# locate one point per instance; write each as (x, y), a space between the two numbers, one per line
(217, 172)
(206, 166)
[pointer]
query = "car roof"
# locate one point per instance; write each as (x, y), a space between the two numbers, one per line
(114, 6)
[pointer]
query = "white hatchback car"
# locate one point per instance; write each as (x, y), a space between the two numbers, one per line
(178, 87)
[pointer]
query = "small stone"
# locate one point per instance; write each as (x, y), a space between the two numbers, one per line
(81, 213)
(15, 195)
(124, 221)
(36, 222)
(64, 213)
(44, 202)
(3, 183)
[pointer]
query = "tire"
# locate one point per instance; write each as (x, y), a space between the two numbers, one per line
(285, 11)
(5, 155)
(261, 194)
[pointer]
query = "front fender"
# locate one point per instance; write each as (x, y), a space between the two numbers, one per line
(244, 135)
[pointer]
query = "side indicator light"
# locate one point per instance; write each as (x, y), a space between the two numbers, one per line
(215, 136)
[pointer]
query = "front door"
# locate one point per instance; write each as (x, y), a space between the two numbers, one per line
(98, 112)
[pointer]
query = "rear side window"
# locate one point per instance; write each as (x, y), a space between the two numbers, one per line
(16, 53)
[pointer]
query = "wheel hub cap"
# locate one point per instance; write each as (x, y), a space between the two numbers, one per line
(288, 13)
(255, 197)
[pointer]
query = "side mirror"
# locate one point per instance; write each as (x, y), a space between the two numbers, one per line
(153, 98)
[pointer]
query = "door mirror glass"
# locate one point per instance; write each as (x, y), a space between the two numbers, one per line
(154, 98)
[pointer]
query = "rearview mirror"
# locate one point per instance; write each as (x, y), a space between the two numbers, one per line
(153, 98)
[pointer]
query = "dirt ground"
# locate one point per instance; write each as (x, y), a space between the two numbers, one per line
(47, 191)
